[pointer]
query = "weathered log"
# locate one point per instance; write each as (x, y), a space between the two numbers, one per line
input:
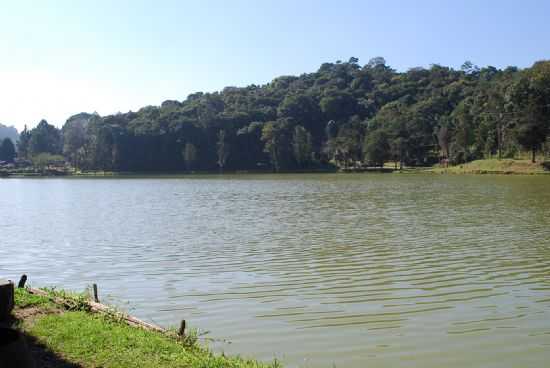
(6, 299)
(131, 320)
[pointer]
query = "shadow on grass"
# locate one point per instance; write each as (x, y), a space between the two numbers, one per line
(41, 355)
(44, 357)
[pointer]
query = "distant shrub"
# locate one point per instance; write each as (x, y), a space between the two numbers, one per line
(44, 160)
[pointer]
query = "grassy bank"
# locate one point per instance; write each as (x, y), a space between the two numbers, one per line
(493, 166)
(69, 335)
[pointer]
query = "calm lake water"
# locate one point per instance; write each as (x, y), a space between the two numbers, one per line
(353, 270)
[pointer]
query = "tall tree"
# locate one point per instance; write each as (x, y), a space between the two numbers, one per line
(99, 145)
(23, 143)
(7, 150)
(301, 146)
(532, 95)
(223, 149)
(190, 155)
(278, 142)
(75, 138)
(376, 148)
(461, 148)
(45, 138)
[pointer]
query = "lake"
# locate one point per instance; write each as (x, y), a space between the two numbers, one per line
(378, 270)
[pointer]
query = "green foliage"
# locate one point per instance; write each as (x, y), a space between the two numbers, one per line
(94, 341)
(71, 301)
(302, 147)
(426, 114)
(103, 340)
(7, 150)
(23, 143)
(44, 138)
(223, 149)
(376, 148)
(76, 140)
(277, 136)
(24, 299)
(532, 94)
(344, 147)
(44, 160)
(189, 155)
(337, 104)
(494, 166)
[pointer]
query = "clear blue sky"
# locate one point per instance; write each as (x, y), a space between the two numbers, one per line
(58, 58)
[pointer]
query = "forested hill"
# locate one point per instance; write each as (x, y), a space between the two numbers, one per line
(343, 114)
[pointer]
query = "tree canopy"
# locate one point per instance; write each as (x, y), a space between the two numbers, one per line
(342, 114)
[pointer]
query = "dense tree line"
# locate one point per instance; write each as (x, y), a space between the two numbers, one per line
(344, 114)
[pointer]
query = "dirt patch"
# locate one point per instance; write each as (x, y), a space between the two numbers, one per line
(28, 315)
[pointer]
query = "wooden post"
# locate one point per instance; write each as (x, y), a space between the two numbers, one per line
(6, 299)
(96, 299)
(22, 281)
(181, 331)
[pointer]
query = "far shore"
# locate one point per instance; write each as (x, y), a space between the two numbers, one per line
(478, 167)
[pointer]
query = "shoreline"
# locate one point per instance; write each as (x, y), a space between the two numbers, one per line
(478, 167)
(74, 330)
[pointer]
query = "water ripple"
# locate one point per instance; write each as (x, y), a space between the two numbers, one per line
(385, 269)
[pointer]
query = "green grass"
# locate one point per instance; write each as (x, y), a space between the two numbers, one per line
(95, 340)
(100, 340)
(71, 301)
(493, 166)
(24, 299)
